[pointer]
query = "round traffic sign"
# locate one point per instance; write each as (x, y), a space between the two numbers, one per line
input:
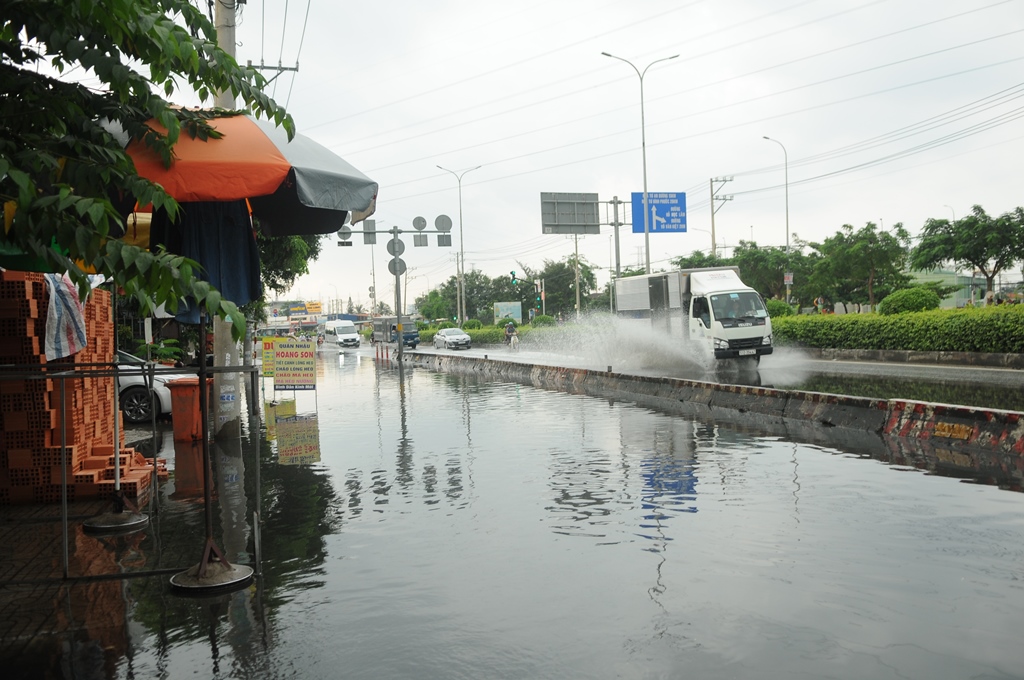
(443, 223)
(419, 223)
(396, 266)
(395, 247)
(345, 233)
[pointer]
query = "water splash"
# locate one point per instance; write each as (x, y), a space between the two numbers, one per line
(600, 340)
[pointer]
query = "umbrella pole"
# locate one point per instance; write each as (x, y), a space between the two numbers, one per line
(214, 571)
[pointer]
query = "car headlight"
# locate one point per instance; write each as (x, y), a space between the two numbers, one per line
(721, 344)
(766, 340)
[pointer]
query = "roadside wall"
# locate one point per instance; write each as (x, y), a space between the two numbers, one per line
(816, 415)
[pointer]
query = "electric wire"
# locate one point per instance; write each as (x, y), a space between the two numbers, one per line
(280, 54)
(610, 154)
(719, 108)
(298, 52)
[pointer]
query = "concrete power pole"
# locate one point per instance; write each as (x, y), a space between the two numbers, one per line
(227, 405)
(714, 208)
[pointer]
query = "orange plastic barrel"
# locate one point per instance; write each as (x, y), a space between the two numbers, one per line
(185, 409)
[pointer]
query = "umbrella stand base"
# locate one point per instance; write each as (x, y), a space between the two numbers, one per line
(115, 523)
(214, 574)
(125, 517)
(219, 578)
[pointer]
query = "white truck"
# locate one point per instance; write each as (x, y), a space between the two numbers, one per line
(711, 307)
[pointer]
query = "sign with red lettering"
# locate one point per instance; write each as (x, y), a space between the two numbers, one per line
(268, 356)
(294, 364)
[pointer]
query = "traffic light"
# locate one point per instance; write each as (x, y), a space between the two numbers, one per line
(514, 279)
(538, 300)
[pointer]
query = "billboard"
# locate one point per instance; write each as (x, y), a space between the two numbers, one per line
(667, 211)
(569, 213)
(508, 310)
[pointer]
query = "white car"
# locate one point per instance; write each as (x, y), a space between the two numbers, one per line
(452, 338)
(136, 401)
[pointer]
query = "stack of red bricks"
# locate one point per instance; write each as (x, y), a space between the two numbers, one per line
(32, 467)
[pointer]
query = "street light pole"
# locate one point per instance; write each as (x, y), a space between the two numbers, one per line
(461, 268)
(643, 148)
(785, 156)
(952, 211)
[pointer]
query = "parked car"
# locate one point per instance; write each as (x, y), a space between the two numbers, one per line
(452, 338)
(136, 401)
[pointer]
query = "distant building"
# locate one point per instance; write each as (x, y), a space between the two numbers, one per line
(970, 287)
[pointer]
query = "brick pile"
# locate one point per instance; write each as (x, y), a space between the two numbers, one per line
(30, 441)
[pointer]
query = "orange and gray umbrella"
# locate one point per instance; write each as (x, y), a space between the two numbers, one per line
(294, 187)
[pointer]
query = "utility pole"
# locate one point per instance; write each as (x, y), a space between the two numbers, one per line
(616, 224)
(716, 208)
(576, 241)
(225, 349)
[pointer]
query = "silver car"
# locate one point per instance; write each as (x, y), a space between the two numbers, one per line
(135, 400)
(452, 338)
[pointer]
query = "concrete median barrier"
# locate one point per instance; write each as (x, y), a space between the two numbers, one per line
(947, 426)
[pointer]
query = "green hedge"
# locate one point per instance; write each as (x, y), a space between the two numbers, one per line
(489, 335)
(983, 329)
(777, 308)
(909, 300)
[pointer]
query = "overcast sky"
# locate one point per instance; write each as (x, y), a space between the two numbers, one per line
(890, 111)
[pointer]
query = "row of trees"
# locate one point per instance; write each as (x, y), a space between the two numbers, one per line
(482, 291)
(864, 265)
(854, 265)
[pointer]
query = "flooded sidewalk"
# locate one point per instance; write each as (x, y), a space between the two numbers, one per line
(415, 524)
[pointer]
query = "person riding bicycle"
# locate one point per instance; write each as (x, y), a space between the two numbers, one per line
(510, 330)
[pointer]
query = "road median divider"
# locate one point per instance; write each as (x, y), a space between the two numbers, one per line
(814, 414)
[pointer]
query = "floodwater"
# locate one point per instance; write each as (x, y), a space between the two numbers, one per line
(424, 525)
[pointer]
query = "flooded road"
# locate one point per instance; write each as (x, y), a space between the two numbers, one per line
(424, 525)
(600, 343)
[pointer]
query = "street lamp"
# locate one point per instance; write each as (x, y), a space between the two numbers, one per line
(785, 156)
(461, 302)
(952, 211)
(643, 147)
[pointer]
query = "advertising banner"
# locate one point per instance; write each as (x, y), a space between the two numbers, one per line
(508, 310)
(268, 355)
(294, 364)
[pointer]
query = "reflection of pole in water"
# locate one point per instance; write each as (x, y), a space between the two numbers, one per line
(796, 487)
(230, 475)
(403, 465)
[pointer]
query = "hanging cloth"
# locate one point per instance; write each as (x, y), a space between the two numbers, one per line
(219, 236)
(65, 321)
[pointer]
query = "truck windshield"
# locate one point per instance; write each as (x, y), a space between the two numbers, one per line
(743, 304)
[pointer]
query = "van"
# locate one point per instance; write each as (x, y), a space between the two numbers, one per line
(343, 332)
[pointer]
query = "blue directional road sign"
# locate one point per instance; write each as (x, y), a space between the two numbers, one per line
(667, 212)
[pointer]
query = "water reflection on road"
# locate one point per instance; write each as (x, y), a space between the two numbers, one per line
(452, 528)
